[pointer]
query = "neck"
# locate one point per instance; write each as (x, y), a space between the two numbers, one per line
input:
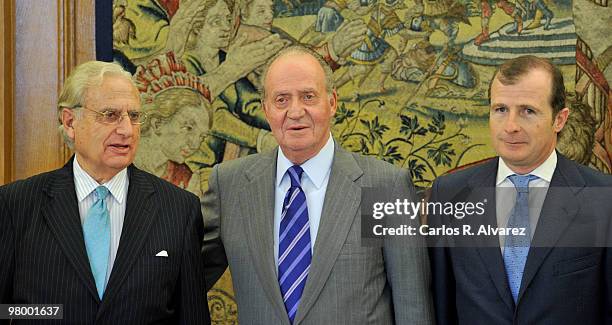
(524, 170)
(299, 157)
(100, 177)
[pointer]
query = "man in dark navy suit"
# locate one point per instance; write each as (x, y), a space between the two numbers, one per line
(558, 269)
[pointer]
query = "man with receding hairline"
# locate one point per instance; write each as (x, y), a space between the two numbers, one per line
(556, 268)
(288, 221)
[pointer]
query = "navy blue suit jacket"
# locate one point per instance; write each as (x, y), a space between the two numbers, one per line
(568, 274)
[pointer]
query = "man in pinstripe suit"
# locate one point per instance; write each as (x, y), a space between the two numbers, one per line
(113, 244)
(288, 224)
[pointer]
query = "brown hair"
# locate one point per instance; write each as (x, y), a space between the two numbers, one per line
(512, 70)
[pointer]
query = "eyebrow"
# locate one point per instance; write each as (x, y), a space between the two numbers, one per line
(288, 93)
(129, 109)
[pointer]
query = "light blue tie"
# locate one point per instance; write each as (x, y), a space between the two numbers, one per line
(516, 248)
(294, 252)
(96, 231)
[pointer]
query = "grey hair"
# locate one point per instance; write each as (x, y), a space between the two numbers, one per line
(81, 79)
(298, 49)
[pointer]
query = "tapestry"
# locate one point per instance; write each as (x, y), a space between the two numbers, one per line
(412, 79)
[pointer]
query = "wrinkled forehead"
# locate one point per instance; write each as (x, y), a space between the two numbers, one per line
(294, 67)
(115, 90)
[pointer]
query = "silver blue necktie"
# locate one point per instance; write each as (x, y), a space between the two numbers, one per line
(96, 232)
(516, 248)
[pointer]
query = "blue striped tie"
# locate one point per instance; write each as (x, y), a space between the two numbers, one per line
(294, 252)
(516, 248)
(96, 232)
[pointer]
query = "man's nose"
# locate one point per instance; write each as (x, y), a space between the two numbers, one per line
(296, 110)
(125, 127)
(512, 123)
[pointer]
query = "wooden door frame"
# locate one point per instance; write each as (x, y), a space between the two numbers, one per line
(7, 45)
(62, 41)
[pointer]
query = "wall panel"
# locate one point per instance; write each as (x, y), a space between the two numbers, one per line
(51, 37)
(6, 89)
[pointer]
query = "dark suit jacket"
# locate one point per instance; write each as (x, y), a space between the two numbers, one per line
(43, 258)
(568, 273)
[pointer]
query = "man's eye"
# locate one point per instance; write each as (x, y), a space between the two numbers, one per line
(500, 109)
(309, 97)
(281, 100)
(111, 115)
(529, 111)
(134, 116)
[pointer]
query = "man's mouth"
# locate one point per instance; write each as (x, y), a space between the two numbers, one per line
(297, 127)
(514, 142)
(119, 148)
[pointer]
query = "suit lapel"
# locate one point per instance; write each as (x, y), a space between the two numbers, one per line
(140, 213)
(257, 198)
(558, 211)
(62, 216)
(342, 200)
(488, 247)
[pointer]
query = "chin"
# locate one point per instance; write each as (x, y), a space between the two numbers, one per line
(299, 146)
(120, 162)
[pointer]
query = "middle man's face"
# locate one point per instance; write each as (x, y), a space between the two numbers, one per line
(298, 107)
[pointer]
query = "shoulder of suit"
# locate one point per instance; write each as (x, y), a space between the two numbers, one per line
(591, 176)
(379, 169)
(366, 162)
(463, 175)
(240, 164)
(29, 185)
(163, 185)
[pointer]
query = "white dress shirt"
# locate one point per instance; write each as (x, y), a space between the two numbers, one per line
(505, 192)
(314, 184)
(85, 186)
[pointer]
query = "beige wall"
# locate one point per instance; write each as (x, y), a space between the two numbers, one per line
(50, 38)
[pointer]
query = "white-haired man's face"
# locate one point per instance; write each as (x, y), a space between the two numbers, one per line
(297, 106)
(105, 149)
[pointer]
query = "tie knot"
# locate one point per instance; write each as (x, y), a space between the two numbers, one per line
(521, 182)
(295, 174)
(102, 192)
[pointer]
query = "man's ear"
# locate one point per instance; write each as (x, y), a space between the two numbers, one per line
(68, 120)
(333, 102)
(264, 107)
(561, 119)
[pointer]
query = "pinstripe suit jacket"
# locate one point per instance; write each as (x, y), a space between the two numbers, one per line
(43, 258)
(348, 283)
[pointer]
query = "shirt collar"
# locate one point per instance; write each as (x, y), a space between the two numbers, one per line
(116, 185)
(545, 171)
(315, 168)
